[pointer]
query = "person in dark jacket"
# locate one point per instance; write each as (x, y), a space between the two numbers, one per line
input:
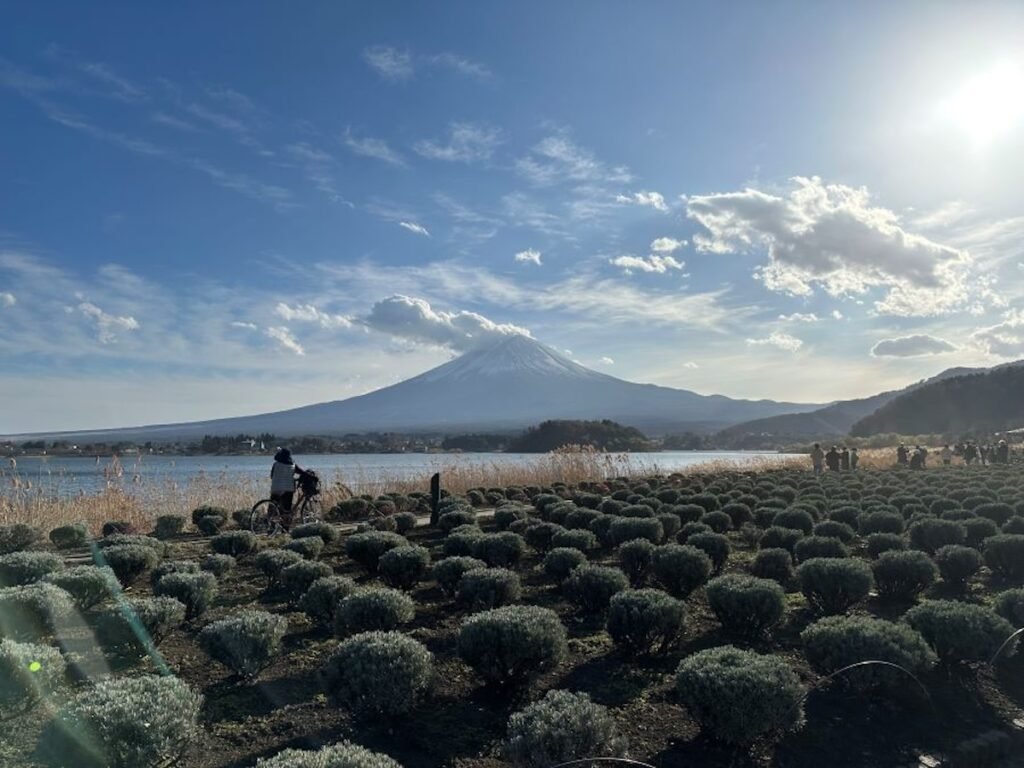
(832, 459)
(282, 483)
(844, 458)
(902, 455)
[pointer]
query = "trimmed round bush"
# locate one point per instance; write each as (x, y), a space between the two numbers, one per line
(208, 510)
(499, 550)
(405, 521)
(459, 543)
(1014, 525)
(20, 568)
(119, 539)
(325, 531)
(591, 587)
(321, 600)
(34, 610)
(169, 526)
(484, 588)
(366, 548)
(134, 626)
(509, 645)
(957, 564)
(28, 673)
(959, 631)
(449, 521)
(715, 545)
(1004, 554)
(688, 513)
(738, 513)
(172, 566)
(193, 590)
(309, 547)
(642, 621)
(349, 509)
(218, 565)
(580, 519)
(739, 696)
(539, 536)
(635, 558)
(128, 722)
(560, 562)
(637, 511)
(246, 642)
(234, 543)
(629, 528)
(15, 538)
(210, 525)
(833, 585)
(717, 521)
(777, 537)
(775, 564)
(819, 546)
(746, 605)
(880, 521)
(373, 609)
(447, 572)
(270, 562)
(691, 529)
(996, 511)
(977, 530)
(583, 540)
(1010, 605)
(929, 534)
(670, 525)
(70, 536)
(680, 568)
(877, 543)
(379, 673)
(561, 727)
(341, 755)
(88, 585)
(835, 642)
(903, 575)
(404, 567)
(298, 577)
(835, 530)
(795, 518)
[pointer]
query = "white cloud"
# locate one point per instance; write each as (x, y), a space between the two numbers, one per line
(666, 245)
(606, 361)
(415, 320)
(7, 299)
(780, 340)
(556, 159)
(284, 337)
(916, 345)
(799, 317)
(244, 325)
(690, 364)
(651, 199)
(652, 263)
(1005, 339)
(307, 313)
(107, 325)
(467, 143)
(836, 314)
(529, 256)
(414, 227)
(389, 63)
(367, 146)
(831, 236)
(461, 65)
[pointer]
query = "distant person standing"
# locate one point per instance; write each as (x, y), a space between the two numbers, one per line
(854, 458)
(947, 455)
(970, 453)
(832, 459)
(1003, 452)
(282, 484)
(917, 459)
(817, 458)
(902, 455)
(983, 454)
(844, 459)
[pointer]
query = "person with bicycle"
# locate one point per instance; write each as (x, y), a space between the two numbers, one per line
(282, 483)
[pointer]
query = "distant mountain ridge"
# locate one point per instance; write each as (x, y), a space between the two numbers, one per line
(512, 383)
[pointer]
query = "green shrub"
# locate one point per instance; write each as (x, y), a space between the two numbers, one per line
(404, 567)
(1010, 605)
(309, 547)
(832, 585)
(1004, 554)
(208, 510)
(1014, 525)
(746, 605)
(580, 539)
(602, 528)
(128, 561)
(511, 644)
(298, 577)
(193, 590)
(459, 543)
(210, 525)
(591, 587)
(341, 755)
(172, 566)
(717, 521)
(995, 511)
(628, 528)
(169, 526)
(680, 568)
(715, 545)
(482, 588)
(880, 522)
(957, 564)
(819, 546)
(20, 568)
(977, 530)
(499, 550)
(637, 511)
(380, 522)
(120, 539)
(366, 548)
(581, 519)
(218, 565)
(70, 536)
(775, 564)
(635, 558)
(347, 510)
(739, 696)
(845, 515)
(379, 673)
(688, 513)
(560, 562)
(839, 641)
(795, 518)
(561, 727)
(405, 522)
(324, 531)
(234, 543)
(28, 673)
(112, 527)
(670, 525)
(449, 521)
(738, 513)
(270, 562)
(130, 722)
(929, 534)
(323, 597)
(133, 626)
(780, 538)
(645, 620)
(959, 631)
(835, 530)
(373, 609)
(34, 610)
(88, 585)
(246, 642)
(447, 572)
(17, 537)
(903, 575)
(877, 543)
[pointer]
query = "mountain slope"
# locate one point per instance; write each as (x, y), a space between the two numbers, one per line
(505, 385)
(991, 401)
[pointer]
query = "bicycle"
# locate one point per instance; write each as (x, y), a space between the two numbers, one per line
(267, 517)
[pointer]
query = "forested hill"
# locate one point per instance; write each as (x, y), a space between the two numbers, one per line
(979, 403)
(604, 435)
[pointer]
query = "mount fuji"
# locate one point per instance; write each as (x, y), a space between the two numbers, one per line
(502, 385)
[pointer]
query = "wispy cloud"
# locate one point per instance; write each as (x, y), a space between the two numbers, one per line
(318, 166)
(244, 325)
(917, 345)
(414, 227)
(163, 118)
(367, 146)
(107, 325)
(606, 361)
(529, 256)
(414, 319)
(7, 299)
(557, 159)
(466, 143)
(1004, 339)
(285, 339)
(121, 88)
(308, 313)
(779, 340)
(652, 263)
(649, 199)
(799, 317)
(461, 65)
(666, 245)
(389, 63)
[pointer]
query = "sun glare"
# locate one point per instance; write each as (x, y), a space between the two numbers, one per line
(988, 105)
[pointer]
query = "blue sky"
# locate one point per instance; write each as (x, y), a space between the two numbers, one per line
(219, 209)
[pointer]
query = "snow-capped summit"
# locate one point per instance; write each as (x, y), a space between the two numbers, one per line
(514, 354)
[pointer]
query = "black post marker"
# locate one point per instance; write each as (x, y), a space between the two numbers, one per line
(435, 497)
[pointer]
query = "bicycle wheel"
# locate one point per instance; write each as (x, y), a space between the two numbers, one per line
(265, 517)
(310, 510)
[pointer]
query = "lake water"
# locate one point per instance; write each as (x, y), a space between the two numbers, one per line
(75, 475)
